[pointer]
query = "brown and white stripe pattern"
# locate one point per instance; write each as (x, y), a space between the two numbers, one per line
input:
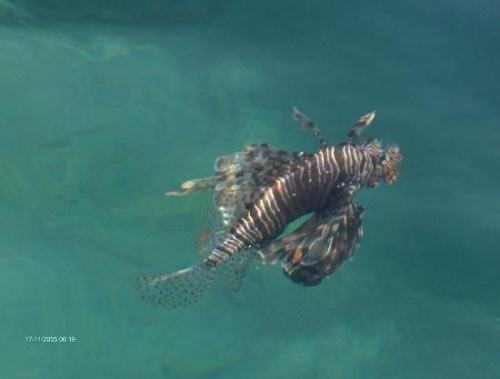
(308, 188)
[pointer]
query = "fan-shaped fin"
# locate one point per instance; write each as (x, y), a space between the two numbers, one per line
(211, 231)
(241, 177)
(234, 270)
(246, 174)
(319, 246)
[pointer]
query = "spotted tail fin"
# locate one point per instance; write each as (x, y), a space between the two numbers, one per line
(179, 289)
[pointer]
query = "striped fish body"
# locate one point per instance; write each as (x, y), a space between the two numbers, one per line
(331, 176)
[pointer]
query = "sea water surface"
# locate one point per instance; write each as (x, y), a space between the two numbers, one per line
(105, 106)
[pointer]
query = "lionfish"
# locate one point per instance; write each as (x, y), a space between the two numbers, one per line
(259, 191)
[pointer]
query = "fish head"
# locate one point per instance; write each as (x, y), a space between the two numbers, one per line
(389, 165)
(386, 162)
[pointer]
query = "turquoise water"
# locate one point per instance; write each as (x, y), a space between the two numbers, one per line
(103, 110)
